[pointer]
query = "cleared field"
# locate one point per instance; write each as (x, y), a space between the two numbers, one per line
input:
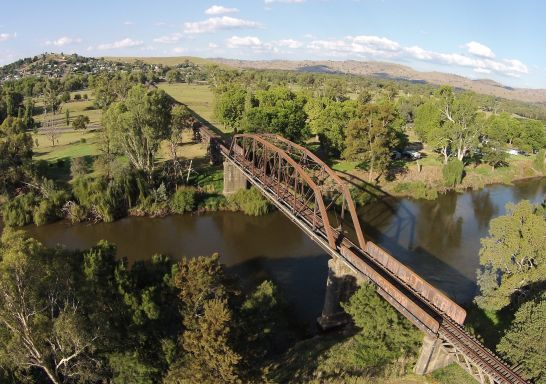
(69, 145)
(84, 107)
(199, 98)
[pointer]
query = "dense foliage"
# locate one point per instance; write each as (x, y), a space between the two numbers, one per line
(68, 317)
(512, 257)
(385, 336)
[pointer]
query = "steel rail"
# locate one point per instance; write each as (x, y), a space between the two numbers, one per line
(479, 361)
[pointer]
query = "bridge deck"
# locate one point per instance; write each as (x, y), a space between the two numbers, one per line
(407, 295)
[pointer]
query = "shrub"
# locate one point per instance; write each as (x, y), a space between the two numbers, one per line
(18, 211)
(77, 97)
(453, 173)
(50, 208)
(184, 200)
(538, 162)
(78, 167)
(250, 201)
(385, 336)
(213, 203)
(417, 190)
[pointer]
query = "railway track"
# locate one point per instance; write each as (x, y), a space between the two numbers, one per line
(468, 352)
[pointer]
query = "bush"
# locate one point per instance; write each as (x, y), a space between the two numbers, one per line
(184, 200)
(18, 211)
(538, 162)
(453, 173)
(77, 97)
(78, 167)
(213, 203)
(417, 190)
(250, 201)
(50, 208)
(385, 336)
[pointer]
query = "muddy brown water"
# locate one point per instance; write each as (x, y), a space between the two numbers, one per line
(439, 239)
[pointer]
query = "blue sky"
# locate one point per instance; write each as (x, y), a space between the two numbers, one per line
(501, 40)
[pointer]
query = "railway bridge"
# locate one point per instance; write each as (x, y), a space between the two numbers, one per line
(313, 196)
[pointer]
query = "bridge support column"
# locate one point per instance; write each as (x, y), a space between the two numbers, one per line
(234, 179)
(340, 285)
(432, 356)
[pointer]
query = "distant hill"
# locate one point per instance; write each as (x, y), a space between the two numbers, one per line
(394, 72)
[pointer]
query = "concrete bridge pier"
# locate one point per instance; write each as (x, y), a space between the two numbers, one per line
(234, 179)
(340, 285)
(432, 356)
(342, 282)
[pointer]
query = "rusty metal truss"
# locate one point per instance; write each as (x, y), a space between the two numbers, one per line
(310, 194)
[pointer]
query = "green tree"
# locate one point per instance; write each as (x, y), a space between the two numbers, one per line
(230, 106)
(453, 173)
(525, 341)
(182, 120)
(41, 324)
(450, 123)
(173, 76)
(138, 124)
(429, 128)
(80, 122)
(15, 154)
(206, 318)
(371, 136)
(532, 136)
(512, 257)
(78, 167)
(211, 359)
(52, 90)
(384, 336)
(277, 110)
(330, 123)
(67, 117)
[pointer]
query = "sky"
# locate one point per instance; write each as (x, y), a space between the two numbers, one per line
(500, 40)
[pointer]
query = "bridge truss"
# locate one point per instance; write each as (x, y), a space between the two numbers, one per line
(311, 195)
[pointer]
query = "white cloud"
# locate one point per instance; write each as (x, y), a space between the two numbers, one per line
(178, 50)
(359, 45)
(284, 1)
(125, 43)
(216, 23)
(213, 45)
(288, 43)
(479, 57)
(129, 23)
(220, 10)
(65, 40)
(7, 36)
(479, 49)
(246, 41)
(169, 39)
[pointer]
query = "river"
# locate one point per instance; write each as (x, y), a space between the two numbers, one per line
(439, 239)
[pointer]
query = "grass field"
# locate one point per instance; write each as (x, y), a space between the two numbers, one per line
(197, 97)
(69, 145)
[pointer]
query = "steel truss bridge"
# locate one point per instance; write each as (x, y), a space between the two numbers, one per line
(314, 197)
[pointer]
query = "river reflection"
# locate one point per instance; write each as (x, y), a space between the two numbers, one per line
(439, 239)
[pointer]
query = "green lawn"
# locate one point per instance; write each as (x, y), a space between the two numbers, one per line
(70, 145)
(199, 98)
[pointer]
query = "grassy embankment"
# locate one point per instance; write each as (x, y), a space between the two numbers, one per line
(70, 143)
(323, 359)
(420, 179)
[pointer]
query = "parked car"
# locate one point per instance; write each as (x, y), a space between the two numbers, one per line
(515, 151)
(412, 155)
